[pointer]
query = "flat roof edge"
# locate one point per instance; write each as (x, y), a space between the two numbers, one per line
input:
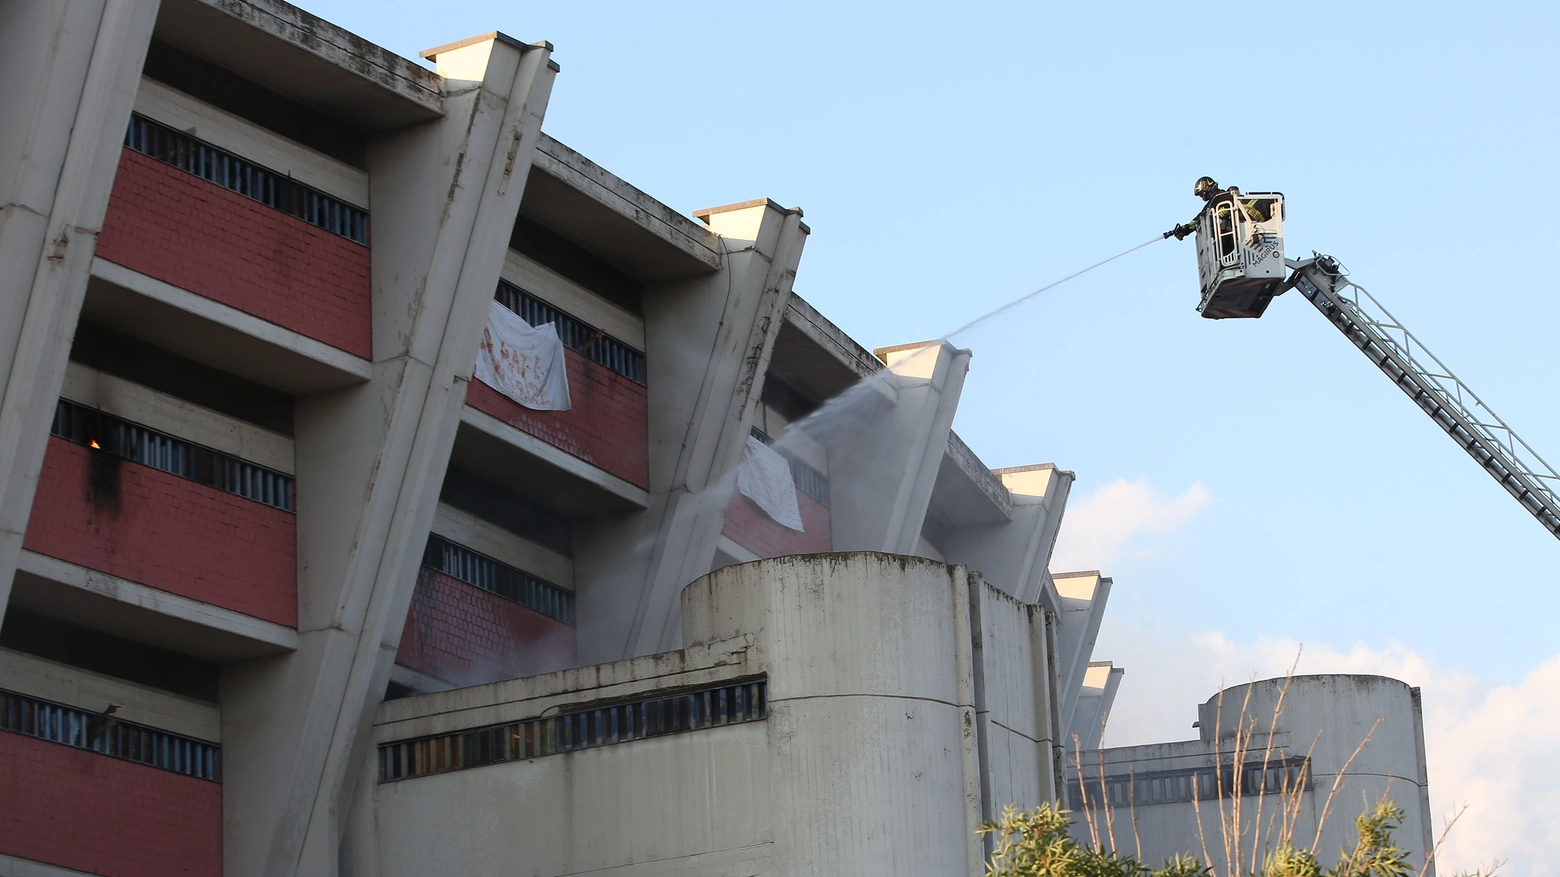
(806, 318)
(339, 47)
(1032, 467)
(491, 36)
(980, 474)
(706, 212)
(579, 171)
(882, 352)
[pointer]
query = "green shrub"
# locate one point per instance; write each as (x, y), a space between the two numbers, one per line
(1039, 843)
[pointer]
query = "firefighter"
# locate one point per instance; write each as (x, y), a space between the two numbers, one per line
(1208, 190)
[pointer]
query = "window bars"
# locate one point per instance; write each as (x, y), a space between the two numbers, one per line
(808, 480)
(149, 447)
(519, 586)
(573, 731)
(592, 343)
(239, 175)
(1277, 777)
(58, 723)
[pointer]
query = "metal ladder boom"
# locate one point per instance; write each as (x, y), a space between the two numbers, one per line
(1432, 386)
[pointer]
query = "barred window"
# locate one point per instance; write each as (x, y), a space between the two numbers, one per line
(239, 175)
(517, 585)
(573, 731)
(808, 480)
(1277, 776)
(58, 723)
(592, 343)
(149, 447)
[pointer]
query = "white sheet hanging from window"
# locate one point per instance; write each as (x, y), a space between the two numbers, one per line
(765, 478)
(524, 363)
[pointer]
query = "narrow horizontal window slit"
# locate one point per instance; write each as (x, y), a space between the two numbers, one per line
(592, 343)
(149, 447)
(70, 726)
(516, 585)
(680, 713)
(235, 174)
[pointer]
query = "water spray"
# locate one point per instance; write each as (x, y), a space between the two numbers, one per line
(848, 419)
(1052, 285)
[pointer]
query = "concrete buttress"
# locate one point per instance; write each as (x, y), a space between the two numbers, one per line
(708, 344)
(884, 461)
(370, 458)
(1014, 555)
(70, 70)
(1083, 598)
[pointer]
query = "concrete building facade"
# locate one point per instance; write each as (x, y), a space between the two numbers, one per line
(858, 713)
(1300, 757)
(287, 591)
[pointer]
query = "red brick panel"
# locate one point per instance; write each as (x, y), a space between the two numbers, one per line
(464, 635)
(607, 427)
(750, 527)
(102, 815)
(178, 228)
(169, 533)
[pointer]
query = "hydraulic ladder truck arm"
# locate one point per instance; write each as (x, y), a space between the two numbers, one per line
(1239, 239)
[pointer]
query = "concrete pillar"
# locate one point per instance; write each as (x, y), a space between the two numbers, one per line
(1014, 556)
(1083, 598)
(1098, 693)
(370, 458)
(708, 342)
(1043, 634)
(70, 70)
(885, 451)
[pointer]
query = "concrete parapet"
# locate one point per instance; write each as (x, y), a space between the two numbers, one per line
(1369, 729)
(1341, 742)
(905, 701)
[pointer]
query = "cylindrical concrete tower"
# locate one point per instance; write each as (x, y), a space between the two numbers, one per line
(1367, 728)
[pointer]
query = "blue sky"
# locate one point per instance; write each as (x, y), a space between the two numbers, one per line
(949, 161)
(951, 158)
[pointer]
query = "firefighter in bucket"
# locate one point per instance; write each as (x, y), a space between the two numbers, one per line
(1208, 190)
(1239, 249)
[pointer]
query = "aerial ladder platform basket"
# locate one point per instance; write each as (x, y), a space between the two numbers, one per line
(1240, 253)
(1241, 267)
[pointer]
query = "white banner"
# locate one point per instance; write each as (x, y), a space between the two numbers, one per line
(765, 478)
(524, 363)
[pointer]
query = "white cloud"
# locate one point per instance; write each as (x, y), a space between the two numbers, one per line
(1099, 528)
(1496, 747)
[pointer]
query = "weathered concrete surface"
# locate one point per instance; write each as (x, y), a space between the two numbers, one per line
(886, 449)
(1015, 554)
(1100, 683)
(710, 340)
(1083, 596)
(373, 456)
(605, 199)
(70, 70)
(1327, 717)
(907, 701)
(306, 58)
